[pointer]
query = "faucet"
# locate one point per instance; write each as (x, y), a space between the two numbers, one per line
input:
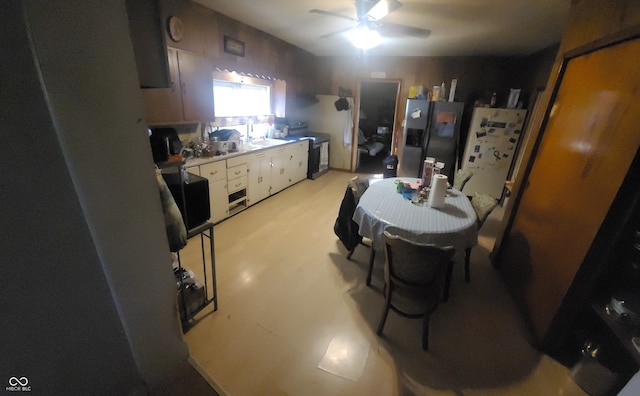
(249, 130)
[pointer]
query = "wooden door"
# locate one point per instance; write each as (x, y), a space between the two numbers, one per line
(590, 140)
(165, 104)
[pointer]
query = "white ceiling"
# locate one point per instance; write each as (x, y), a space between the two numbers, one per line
(458, 27)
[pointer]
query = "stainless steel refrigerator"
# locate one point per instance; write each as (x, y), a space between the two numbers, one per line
(492, 143)
(431, 129)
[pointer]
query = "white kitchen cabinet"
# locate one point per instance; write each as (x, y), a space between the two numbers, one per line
(259, 176)
(243, 180)
(214, 170)
(219, 203)
(279, 178)
(194, 170)
(274, 169)
(237, 183)
(296, 159)
(234, 172)
(216, 173)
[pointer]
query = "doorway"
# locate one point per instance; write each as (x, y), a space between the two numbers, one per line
(376, 118)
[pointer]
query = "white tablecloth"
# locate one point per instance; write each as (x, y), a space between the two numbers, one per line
(381, 206)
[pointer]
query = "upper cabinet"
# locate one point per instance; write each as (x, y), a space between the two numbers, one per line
(189, 97)
(196, 81)
(149, 45)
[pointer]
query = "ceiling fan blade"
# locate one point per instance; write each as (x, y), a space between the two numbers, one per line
(383, 8)
(334, 14)
(337, 32)
(390, 28)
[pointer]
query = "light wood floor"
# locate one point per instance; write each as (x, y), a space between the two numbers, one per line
(295, 317)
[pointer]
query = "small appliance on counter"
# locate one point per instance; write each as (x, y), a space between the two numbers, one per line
(280, 128)
(164, 143)
(223, 141)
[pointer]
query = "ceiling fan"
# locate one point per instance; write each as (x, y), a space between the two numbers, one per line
(370, 21)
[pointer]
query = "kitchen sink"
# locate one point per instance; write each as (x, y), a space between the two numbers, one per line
(260, 143)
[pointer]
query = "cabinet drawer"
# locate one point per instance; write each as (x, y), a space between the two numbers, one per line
(237, 184)
(302, 145)
(239, 160)
(214, 171)
(236, 172)
(194, 170)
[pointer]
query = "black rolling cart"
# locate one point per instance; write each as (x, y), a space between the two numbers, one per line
(194, 297)
(191, 193)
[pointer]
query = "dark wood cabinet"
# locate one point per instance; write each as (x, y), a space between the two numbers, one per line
(149, 45)
(189, 97)
(196, 85)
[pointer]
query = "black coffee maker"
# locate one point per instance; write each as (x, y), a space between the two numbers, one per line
(164, 143)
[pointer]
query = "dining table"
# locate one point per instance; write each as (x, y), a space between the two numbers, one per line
(382, 206)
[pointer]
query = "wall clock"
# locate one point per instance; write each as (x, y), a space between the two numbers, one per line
(176, 29)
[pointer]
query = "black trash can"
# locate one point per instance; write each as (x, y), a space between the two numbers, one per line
(390, 166)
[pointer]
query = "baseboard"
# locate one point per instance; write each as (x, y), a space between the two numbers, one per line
(207, 377)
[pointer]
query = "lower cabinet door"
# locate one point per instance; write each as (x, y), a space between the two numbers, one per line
(259, 177)
(300, 161)
(219, 200)
(279, 178)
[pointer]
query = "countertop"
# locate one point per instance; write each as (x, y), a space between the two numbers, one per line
(255, 146)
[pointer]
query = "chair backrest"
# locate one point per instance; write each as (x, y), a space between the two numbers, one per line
(461, 178)
(416, 266)
(358, 187)
(483, 204)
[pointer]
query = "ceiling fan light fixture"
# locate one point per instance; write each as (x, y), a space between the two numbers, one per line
(383, 8)
(365, 38)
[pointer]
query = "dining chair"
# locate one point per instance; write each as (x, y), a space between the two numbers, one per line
(461, 178)
(358, 186)
(483, 205)
(413, 273)
(345, 228)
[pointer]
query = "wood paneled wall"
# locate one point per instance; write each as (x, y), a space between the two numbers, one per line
(265, 55)
(478, 77)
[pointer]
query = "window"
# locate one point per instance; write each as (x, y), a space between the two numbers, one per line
(232, 99)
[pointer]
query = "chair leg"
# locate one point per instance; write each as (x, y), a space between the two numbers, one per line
(467, 258)
(385, 311)
(372, 258)
(354, 249)
(447, 283)
(425, 333)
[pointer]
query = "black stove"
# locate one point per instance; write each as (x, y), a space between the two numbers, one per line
(318, 148)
